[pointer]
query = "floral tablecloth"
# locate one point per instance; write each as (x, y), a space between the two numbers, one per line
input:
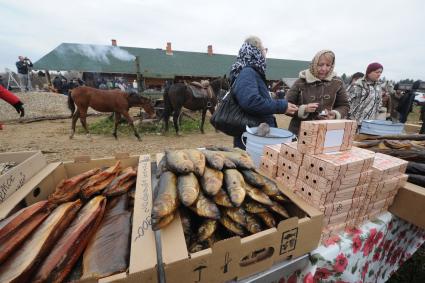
(370, 253)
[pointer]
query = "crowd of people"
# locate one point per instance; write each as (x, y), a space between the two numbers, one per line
(318, 93)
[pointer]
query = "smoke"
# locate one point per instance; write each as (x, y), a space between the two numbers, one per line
(98, 53)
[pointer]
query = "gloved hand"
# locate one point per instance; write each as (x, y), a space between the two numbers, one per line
(20, 108)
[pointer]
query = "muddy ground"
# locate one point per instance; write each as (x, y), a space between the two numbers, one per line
(52, 138)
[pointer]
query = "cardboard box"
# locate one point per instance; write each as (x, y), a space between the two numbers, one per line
(290, 152)
(324, 185)
(237, 257)
(28, 164)
(143, 257)
(321, 198)
(387, 185)
(316, 137)
(385, 166)
(409, 204)
(268, 166)
(284, 165)
(286, 180)
(272, 152)
(337, 165)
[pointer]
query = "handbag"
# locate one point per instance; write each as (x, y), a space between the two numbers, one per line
(230, 118)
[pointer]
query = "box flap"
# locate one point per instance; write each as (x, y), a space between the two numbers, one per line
(15, 198)
(143, 250)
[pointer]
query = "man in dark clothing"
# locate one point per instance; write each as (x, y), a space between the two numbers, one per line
(406, 102)
(23, 66)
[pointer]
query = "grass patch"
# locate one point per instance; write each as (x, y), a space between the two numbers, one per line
(105, 126)
(414, 116)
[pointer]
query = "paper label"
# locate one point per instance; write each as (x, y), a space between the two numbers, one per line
(334, 138)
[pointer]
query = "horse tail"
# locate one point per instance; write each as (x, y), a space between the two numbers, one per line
(167, 102)
(71, 104)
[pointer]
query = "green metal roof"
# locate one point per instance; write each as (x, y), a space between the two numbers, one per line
(154, 63)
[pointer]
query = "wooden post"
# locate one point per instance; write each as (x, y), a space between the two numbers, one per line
(140, 84)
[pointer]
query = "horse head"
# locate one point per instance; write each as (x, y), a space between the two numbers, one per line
(136, 100)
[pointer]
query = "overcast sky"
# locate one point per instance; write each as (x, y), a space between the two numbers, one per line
(359, 32)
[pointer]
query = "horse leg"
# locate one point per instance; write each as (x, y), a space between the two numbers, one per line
(75, 117)
(176, 121)
(130, 122)
(204, 112)
(117, 121)
(166, 118)
(83, 116)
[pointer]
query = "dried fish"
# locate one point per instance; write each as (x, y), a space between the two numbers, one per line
(198, 159)
(253, 178)
(166, 200)
(232, 226)
(160, 223)
(282, 199)
(68, 189)
(16, 228)
(211, 181)
(236, 214)
(188, 188)
(178, 161)
(206, 229)
(122, 183)
(257, 195)
(98, 182)
(108, 250)
(270, 188)
(235, 186)
(267, 219)
(215, 160)
(205, 207)
(20, 267)
(253, 206)
(241, 159)
(72, 243)
(222, 198)
(162, 167)
(279, 209)
(252, 224)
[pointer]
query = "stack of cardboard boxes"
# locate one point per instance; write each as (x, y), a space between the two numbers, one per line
(348, 184)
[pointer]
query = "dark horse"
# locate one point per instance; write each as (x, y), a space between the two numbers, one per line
(106, 101)
(180, 95)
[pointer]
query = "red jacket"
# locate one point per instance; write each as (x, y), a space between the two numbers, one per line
(8, 96)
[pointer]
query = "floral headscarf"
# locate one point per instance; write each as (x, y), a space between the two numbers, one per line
(249, 55)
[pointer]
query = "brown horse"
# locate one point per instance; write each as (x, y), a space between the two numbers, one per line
(180, 95)
(106, 101)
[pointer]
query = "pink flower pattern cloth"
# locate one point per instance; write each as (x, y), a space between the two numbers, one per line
(371, 253)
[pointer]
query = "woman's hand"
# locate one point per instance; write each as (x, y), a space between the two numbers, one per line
(292, 108)
(311, 107)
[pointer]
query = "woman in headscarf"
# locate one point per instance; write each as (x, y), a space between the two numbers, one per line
(248, 77)
(319, 93)
(366, 96)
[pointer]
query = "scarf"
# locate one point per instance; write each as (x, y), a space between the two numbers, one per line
(251, 56)
(311, 74)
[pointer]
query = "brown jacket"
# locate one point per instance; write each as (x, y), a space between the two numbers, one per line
(329, 93)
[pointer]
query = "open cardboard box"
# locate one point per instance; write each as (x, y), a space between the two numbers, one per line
(236, 258)
(143, 257)
(29, 163)
(409, 204)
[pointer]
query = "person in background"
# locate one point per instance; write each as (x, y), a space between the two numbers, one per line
(23, 66)
(395, 95)
(366, 95)
(406, 102)
(13, 100)
(248, 78)
(319, 93)
(354, 78)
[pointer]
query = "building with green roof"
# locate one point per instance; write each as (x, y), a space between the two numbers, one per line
(156, 65)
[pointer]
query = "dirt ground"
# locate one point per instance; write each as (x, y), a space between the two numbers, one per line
(52, 138)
